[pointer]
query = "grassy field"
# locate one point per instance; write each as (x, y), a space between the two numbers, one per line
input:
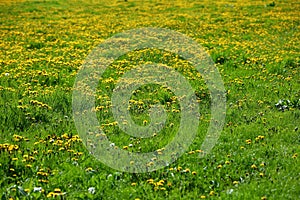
(255, 45)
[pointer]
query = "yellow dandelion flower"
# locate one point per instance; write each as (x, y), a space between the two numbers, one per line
(261, 174)
(57, 190)
(248, 141)
(202, 197)
(150, 181)
(187, 170)
(191, 152)
(51, 194)
(235, 182)
(253, 166)
(88, 169)
(133, 184)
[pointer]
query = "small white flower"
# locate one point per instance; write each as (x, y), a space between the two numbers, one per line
(109, 175)
(37, 189)
(230, 191)
(6, 74)
(130, 145)
(112, 145)
(92, 190)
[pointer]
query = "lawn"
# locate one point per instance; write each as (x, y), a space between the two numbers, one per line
(255, 47)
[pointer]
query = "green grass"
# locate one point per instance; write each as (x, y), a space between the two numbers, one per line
(255, 45)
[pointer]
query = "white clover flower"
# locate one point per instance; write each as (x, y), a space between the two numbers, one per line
(112, 145)
(37, 189)
(92, 190)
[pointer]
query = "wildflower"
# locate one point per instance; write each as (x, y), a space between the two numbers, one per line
(37, 189)
(162, 188)
(57, 190)
(235, 182)
(261, 174)
(91, 190)
(227, 162)
(88, 169)
(150, 181)
(248, 141)
(191, 152)
(263, 198)
(219, 166)
(295, 155)
(112, 145)
(211, 193)
(51, 194)
(253, 166)
(261, 137)
(11, 147)
(194, 173)
(150, 164)
(187, 170)
(159, 184)
(179, 168)
(202, 197)
(133, 184)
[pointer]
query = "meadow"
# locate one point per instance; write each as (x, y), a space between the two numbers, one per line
(255, 47)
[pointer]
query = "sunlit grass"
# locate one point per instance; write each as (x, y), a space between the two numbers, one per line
(255, 45)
